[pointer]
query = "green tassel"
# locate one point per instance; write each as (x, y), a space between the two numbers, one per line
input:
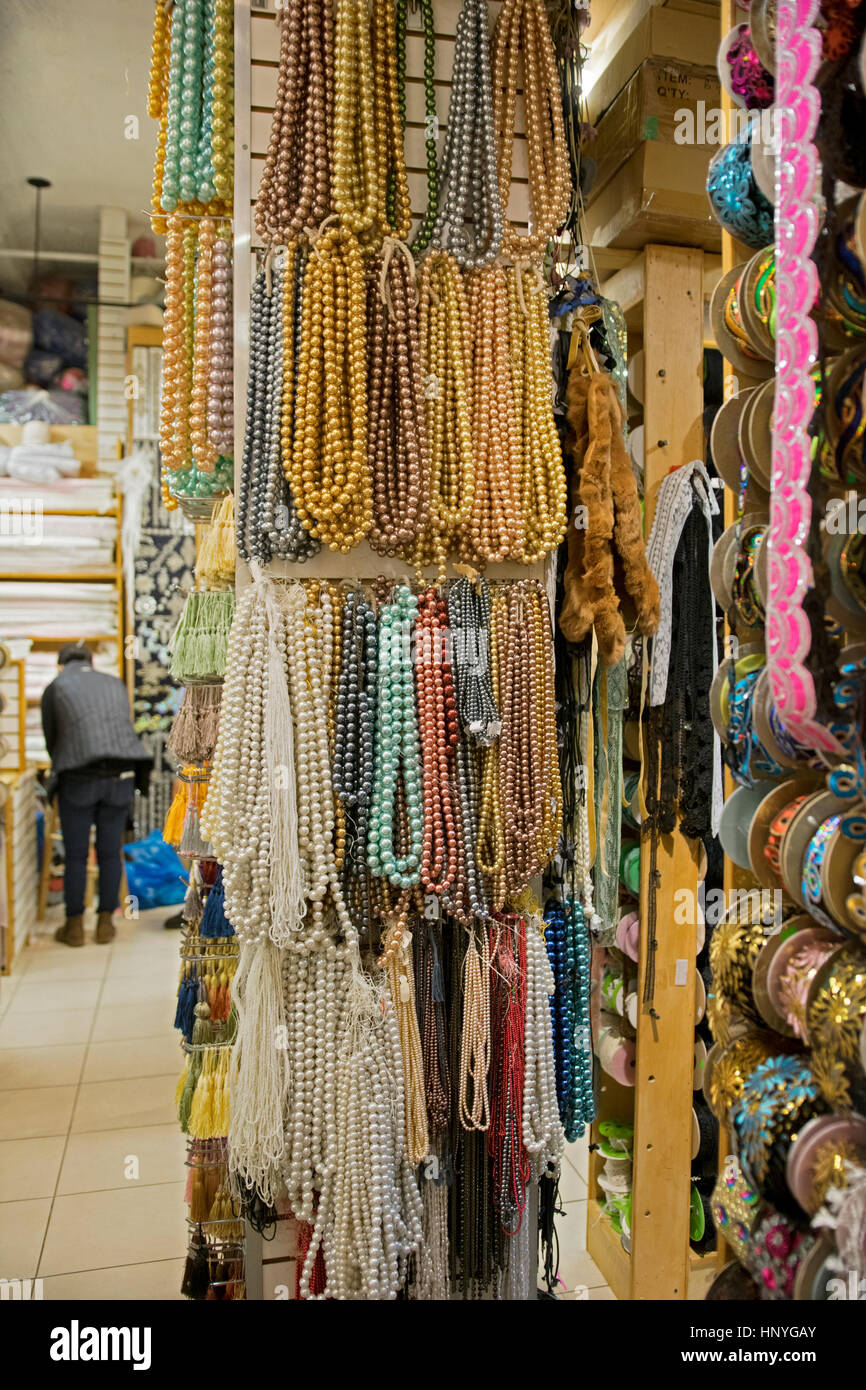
(200, 641)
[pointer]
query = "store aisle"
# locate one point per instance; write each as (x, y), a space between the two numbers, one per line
(91, 1158)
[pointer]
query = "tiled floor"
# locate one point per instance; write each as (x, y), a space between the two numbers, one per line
(91, 1158)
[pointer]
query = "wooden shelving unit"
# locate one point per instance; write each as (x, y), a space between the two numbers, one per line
(661, 1261)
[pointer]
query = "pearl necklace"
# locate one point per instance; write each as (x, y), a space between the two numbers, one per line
(396, 962)
(522, 32)
(371, 191)
(267, 522)
(422, 237)
(397, 431)
(493, 531)
(444, 337)
(542, 488)
(355, 725)
(474, 1104)
(437, 721)
(470, 220)
(397, 747)
(469, 617)
(328, 470)
(295, 191)
(543, 1135)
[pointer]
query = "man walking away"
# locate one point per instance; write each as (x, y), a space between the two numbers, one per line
(97, 761)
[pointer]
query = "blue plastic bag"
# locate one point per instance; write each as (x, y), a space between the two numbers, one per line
(155, 874)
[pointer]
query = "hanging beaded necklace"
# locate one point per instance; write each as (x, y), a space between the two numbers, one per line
(425, 230)
(493, 531)
(398, 756)
(439, 732)
(469, 221)
(354, 733)
(522, 33)
(295, 191)
(396, 430)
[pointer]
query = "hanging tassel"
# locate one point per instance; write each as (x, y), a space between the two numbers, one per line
(200, 640)
(215, 564)
(192, 903)
(214, 922)
(198, 1206)
(259, 1078)
(194, 732)
(196, 1274)
(173, 828)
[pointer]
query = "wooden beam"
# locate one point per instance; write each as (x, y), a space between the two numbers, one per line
(673, 409)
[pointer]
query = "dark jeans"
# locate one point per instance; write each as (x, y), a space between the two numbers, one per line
(104, 802)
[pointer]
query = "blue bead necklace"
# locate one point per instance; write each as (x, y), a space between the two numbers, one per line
(398, 746)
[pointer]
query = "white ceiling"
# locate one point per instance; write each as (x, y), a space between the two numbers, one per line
(71, 71)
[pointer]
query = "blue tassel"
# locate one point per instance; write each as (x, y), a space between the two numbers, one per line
(214, 921)
(187, 998)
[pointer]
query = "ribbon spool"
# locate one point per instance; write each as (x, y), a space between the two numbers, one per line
(734, 950)
(628, 935)
(838, 879)
(734, 1284)
(835, 1014)
(742, 74)
(762, 26)
(815, 1272)
(778, 1099)
(735, 822)
(755, 436)
(845, 291)
(725, 448)
(784, 749)
(629, 869)
(771, 819)
(737, 202)
(735, 1207)
(730, 333)
(729, 1065)
(845, 416)
(784, 970)
(705, 1136)
(817, 1159)
(700, 1057)
(814, 812)
(733, 569)
(617, 1055)
(776, 1252)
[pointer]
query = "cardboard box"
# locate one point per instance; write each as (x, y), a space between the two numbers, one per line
(647, 109)
(675, 37)
(658, 195)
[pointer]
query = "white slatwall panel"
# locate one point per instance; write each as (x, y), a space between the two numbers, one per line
(111, 334)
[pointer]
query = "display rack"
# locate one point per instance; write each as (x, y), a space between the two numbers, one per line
(660, 1261)
(19, 862)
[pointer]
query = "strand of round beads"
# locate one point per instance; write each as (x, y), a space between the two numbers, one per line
(396, 424)
(510, 1171)
(522, 777)
(310, 633)
(422, 237)
(174, 351)
(396, 962)
(437, 721)
(159, 59)
(444, 332)
(397, 746)
(216, 160)
(469, 619)
(295, 191)
(236, 815)
(522, 30)
(267, 524)
(470, 219)
(490, 842)
(220, 406)
(329, 470)
(467, 899)
(394, 211)
(543, 488)
(493, 531)
(474, 1103)
(354, 735)
(543, 1136)
(203, 451)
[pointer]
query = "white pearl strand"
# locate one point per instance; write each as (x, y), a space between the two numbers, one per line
(543, 1134)
(236, 814)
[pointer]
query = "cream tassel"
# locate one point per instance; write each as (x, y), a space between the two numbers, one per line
(286, 878)
(260, 1079)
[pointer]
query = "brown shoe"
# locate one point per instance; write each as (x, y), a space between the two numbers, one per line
(105, 928)
(72, 931)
